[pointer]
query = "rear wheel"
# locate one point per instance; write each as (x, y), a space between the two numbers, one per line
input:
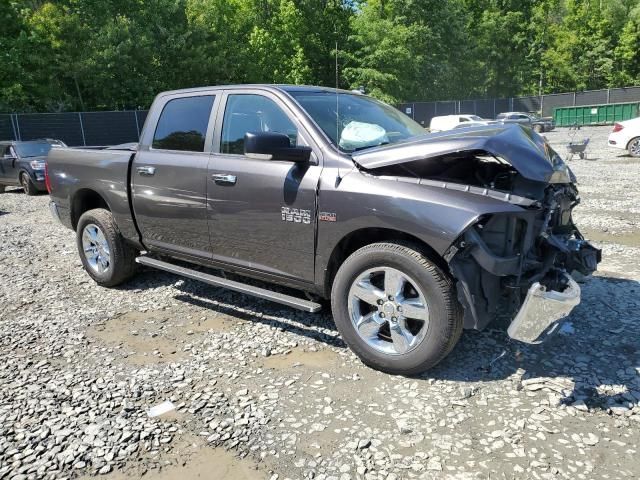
(634, 147)
(395, 308)
(106, 257)
(26, 183)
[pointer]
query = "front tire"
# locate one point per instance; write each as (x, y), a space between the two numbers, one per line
(29, 188)
(105, 255)
(395, 308)
(634, 147)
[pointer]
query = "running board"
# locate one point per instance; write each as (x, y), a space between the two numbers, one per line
(298, 303)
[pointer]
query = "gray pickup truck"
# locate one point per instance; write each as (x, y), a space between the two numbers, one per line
(413, 237)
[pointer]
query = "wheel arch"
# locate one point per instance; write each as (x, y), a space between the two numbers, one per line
(83, 200)
(366, 236)
(637, 137)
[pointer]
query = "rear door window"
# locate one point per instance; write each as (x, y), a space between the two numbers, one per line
(252, 113)
(183, 124)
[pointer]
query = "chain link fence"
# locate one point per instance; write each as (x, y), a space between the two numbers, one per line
(112, 128)
(423, 112)
(75, 129)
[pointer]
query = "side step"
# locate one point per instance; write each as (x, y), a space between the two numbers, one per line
(298, 303)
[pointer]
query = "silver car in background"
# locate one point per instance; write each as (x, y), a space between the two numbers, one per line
(532, 120)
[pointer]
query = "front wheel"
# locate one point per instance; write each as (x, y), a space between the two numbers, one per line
(105, 255)
(634, 147)
(395, 308)
(29, 188)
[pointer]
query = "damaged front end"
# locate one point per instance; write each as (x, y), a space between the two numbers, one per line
(525, 263)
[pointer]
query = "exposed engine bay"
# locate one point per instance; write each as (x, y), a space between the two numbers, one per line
(477, 169)
(498, 259)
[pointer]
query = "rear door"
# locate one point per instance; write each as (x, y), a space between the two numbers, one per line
(169, 177)
(262, 212)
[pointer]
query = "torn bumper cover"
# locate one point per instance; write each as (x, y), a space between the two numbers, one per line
(511, 266)
(543, 310)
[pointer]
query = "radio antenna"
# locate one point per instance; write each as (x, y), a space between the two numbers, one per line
(337, 102)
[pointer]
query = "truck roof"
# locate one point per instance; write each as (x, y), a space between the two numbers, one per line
(280, 87)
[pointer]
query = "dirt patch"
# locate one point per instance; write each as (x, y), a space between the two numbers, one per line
(156, 336)
(191, 461)
(297, 358)
(629, 239)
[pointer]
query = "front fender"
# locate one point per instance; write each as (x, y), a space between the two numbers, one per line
(435, 215)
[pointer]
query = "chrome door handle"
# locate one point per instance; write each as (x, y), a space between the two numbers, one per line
(146, 171)
(224, 178)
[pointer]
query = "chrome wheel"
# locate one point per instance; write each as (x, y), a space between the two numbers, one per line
(388, 310)
(634, 147)
(96, 248)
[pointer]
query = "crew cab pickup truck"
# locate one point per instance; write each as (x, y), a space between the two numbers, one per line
(411, 236)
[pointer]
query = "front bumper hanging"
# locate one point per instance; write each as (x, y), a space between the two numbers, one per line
(542, 311)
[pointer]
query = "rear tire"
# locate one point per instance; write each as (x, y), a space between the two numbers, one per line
(634, 147)
(29, 188)
(417, 324)
(104, 253)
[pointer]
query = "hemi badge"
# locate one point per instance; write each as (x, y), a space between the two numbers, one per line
(327, 217)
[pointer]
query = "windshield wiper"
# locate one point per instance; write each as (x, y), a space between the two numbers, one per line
(370, 146)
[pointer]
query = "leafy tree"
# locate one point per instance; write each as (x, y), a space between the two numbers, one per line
(627, 53)
(114, 54)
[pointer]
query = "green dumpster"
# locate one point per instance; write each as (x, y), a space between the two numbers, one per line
(595, 114)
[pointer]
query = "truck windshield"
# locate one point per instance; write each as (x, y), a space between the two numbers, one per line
(32, 149)
(354, 122)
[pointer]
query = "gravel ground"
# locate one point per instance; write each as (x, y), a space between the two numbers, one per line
(262, 391)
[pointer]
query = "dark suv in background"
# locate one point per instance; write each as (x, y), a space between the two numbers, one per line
(22, 163)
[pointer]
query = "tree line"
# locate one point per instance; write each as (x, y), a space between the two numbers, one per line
(61, 55)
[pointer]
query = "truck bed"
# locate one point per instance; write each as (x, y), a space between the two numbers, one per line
(105, 171)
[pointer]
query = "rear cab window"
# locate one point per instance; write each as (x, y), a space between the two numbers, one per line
(183, 124)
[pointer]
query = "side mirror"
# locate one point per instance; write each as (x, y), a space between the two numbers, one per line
(274, 146)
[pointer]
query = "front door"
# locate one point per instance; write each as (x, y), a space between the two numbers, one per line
(262, 212)
(169, 179)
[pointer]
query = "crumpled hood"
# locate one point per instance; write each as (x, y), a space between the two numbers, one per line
(528, 152)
